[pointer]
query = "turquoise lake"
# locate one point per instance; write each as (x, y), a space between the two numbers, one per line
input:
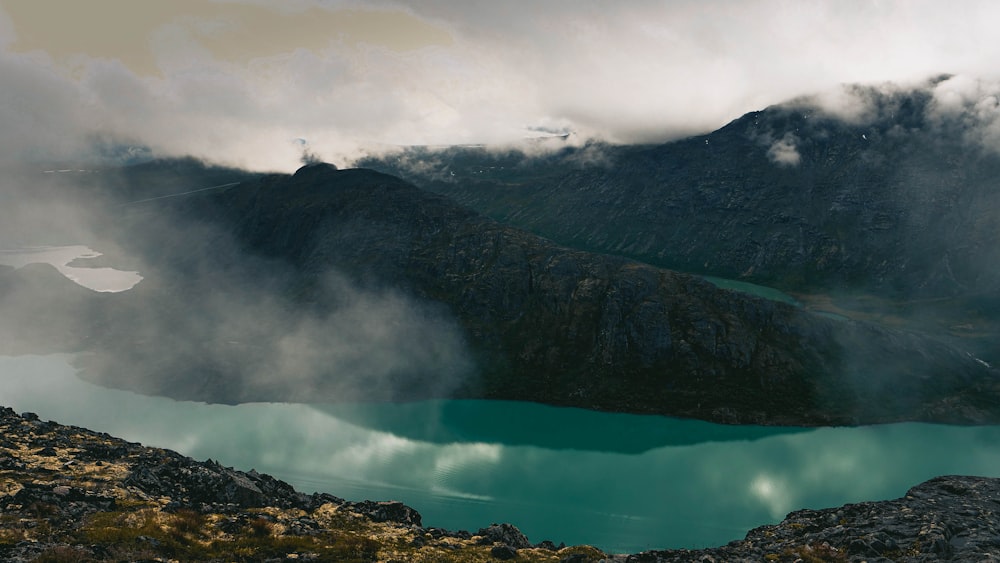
(624, 483)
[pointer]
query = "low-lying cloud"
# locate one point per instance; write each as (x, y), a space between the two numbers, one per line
(963, 107)
(216, 322)
(211, 320)
(784, 152)
(971, 104)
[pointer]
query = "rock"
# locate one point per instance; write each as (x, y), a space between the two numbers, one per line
(917, 527)
(546, 544)
(386, 511)
(503, 552)
(506, 534)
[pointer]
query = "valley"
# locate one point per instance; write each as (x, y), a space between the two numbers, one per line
(428, 315)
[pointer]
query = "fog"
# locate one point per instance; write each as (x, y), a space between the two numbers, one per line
(203, 316)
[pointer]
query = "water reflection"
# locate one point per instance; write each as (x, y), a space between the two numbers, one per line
(693, 493)
(529, 424)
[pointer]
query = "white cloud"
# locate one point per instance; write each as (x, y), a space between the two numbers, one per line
(784, 152)
(638, 71)
(971, 106)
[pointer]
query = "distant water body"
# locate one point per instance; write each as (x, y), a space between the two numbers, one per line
(767, 293)
(624, 483)
(753, 289)
(61, 257)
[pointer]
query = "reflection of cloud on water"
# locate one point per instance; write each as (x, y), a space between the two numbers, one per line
(543, 426)
(455, 458)
(446, 492)
(364, 458)
(773, 493)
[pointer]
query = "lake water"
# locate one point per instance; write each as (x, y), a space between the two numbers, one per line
(753, 289)
(621, 482)
(60, 257)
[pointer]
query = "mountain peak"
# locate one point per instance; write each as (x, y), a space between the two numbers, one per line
(315, 168)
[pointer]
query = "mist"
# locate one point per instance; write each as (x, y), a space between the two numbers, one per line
(209, 320)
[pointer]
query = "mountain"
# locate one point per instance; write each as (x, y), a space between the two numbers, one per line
(70, 494)
(791, 195)
(884, 209)
(268, 289)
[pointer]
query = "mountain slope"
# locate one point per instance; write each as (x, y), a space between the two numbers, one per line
(897, 200)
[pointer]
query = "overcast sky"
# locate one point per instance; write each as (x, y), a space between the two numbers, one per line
(240, 81)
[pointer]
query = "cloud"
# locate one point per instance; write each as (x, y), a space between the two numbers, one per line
(783, 152)
(236, 81)
(211, 321)
(971, 106)
(40, 113)
(375, 345)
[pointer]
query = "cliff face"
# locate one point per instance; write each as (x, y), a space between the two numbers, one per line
(69, 494)
(542, 322)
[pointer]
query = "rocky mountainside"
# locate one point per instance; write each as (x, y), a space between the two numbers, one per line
(893, 198)
(481, 310)
(886, 205)
(69, 494)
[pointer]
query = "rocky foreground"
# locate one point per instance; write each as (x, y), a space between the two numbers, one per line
(70, 494)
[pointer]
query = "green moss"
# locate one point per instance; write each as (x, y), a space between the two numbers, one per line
(185, 535)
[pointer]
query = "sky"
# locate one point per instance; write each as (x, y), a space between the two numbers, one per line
(254, 83)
